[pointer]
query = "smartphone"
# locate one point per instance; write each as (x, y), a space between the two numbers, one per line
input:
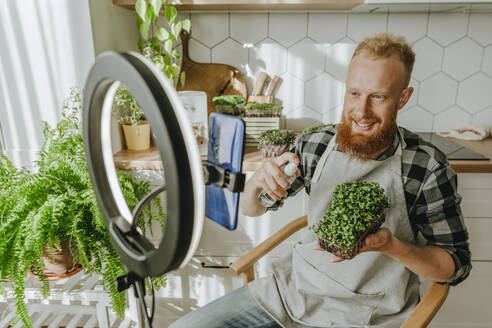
(225, 148)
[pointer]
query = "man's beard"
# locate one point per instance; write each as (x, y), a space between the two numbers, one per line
(366, 147)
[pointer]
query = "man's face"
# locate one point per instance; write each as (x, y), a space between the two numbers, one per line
(375, 91)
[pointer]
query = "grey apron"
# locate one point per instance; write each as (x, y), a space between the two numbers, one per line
(370, 290)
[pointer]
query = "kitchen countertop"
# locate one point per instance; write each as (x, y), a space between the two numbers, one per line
(150, 160)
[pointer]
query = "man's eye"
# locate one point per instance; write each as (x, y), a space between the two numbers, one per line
(353, 94)
(378, 97)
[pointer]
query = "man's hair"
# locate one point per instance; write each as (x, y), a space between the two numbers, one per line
(384, 45)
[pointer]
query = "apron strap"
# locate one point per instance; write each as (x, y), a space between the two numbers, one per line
(322, 160)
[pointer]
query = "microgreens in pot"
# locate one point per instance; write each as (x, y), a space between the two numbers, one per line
(357, 209)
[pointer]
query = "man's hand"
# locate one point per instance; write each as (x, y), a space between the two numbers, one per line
(379, 241)
(269, 177)
(429, 262)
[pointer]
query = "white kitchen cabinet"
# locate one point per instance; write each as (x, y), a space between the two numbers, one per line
(468, 304)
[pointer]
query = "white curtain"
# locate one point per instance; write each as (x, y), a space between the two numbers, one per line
(46, 47)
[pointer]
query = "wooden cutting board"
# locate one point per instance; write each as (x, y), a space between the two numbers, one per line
(213, 79)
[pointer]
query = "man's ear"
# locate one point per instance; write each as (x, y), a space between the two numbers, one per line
(404, 97)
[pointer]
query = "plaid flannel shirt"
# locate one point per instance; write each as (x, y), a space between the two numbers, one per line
(430, 188)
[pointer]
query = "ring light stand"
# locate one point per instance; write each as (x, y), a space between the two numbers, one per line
(183, 169)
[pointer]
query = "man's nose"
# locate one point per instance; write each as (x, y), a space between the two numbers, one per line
(363, 107)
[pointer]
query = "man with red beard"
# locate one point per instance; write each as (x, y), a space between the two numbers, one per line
(379, 287)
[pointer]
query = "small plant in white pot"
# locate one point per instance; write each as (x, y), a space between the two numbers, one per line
(128, 114)
(275, 142)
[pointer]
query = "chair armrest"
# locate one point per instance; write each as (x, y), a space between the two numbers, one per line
(250, 258)
(428, 307)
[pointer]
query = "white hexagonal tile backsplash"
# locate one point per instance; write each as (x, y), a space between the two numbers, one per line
(451, 118)
(410, 25)
(210, 29)
(447, 28)
(327, 28)
(323, 93)
(437, 93)
(362, 25)
(287, 29)
(475, 93)
(306, 59)
(452, 75)
(428, 58)
(268, 56)
(232, 53)
(249, 28)
(454, 55)
(480, 28)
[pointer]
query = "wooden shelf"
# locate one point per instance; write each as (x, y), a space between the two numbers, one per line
(150, 159)
(249, 5)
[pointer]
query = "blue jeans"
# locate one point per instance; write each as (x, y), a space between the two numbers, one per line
(238, 309)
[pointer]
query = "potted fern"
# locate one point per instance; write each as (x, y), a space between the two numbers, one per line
(56, 205)
(275, 142)
(356, 210)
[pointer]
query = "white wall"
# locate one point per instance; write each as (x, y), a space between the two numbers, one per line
(310, 51)
(46, 49)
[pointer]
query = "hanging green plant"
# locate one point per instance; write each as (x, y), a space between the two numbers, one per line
(158, 43)
(57, 204)
(357, 209)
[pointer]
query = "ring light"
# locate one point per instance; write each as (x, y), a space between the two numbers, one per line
(174, 139)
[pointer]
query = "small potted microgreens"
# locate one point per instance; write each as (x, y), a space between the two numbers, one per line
(262, 110)
(229, 104)
(128, 114)
(356, 210)
(275, 142)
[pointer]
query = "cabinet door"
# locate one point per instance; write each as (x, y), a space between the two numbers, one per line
(476, 190)
(468, 304)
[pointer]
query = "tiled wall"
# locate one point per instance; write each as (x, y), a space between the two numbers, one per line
(310, 51)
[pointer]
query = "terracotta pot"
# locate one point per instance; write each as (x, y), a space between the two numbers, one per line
(60, 264)
(349, 252)
(137, 137)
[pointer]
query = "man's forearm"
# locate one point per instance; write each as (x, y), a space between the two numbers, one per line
(250, 205)
(430, 262)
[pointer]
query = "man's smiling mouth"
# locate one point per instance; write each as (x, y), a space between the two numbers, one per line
(363, 126)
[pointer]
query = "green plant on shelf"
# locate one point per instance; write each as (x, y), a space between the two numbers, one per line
(125, 108)
(276, 137)
(229, 104)
(355, 206)
(230, 100)
(263, 110)
(57, 204)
